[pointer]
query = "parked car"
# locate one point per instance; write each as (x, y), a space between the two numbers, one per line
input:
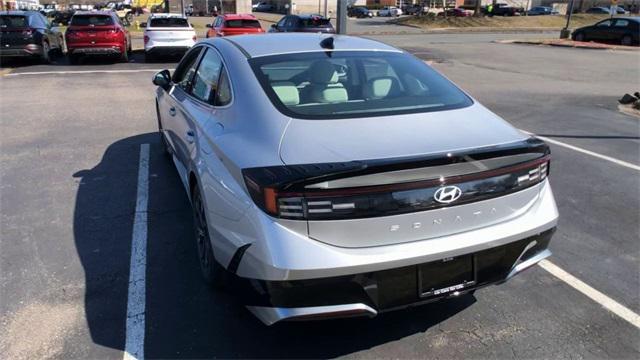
(97, 33)
(502, 9)
(264, 7)
(456, 12)
(413, 9)
(598, 10)
(541, 10)
(232, 24)
(303, 23)
(277, 141)
(28, 34)
(359, 12)
(621, 30)
(619, 10)
(63, 17)
(389, 11)
(167, 34)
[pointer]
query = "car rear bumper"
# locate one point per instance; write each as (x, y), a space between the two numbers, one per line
(167, 50)
(281, 250)
(165, 45)
(21, 51)
(368, 294)
(95, 49)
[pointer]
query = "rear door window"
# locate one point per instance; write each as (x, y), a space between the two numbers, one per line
(314, 22)
(169, 22)
(621, 23)
(13, 22)
(242, 23)
(91, 20)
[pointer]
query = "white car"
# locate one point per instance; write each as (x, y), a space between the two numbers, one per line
(390, 11)
(167, 34)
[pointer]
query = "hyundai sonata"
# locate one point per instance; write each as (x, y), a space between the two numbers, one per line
(335, 176)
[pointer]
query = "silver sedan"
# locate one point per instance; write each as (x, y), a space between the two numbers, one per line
(336, 176)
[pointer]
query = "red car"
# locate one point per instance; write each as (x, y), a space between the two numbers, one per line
(97, 33)
(234, 24)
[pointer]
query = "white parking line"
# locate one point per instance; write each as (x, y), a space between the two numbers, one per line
(134, 344)
(82, 72)
(584, 151)
(595, 295)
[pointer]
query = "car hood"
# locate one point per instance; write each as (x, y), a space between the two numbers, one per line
(324, 141)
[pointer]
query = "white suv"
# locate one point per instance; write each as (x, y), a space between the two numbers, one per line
(167, 34)
(390, 11)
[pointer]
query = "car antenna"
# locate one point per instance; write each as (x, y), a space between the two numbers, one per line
(327, 44)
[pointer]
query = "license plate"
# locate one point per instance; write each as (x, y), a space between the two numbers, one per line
(446, 276)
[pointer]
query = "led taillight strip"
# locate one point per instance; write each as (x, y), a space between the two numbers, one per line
(456, 179)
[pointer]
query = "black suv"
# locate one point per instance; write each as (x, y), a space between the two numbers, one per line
(359, 12)
(303, 23)
(28, 34)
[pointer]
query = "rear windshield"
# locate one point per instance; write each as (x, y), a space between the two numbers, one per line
(242, 23)
(314, 22)
(91, 20)
(350, 84)
(13, 21)
(169, 22)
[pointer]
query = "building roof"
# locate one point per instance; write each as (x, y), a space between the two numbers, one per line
(285, 43)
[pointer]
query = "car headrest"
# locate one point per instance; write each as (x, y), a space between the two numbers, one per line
(323, 72)
(287, 92)
(381, 87)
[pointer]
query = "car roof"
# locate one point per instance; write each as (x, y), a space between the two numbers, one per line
(310, 16)
(632, 18)
(17, 12)
(167, 15)
(238, 17)
(94, 12)
(287, 43)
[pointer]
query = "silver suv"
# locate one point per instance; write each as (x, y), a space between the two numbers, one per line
(336, 176)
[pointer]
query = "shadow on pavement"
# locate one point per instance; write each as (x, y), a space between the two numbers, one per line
(184, 317)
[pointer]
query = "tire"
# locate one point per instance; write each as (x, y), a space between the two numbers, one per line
(73, 59)
(580, 37)
(626, 40)
(46, 52)
(124, 57)
(148, 58)
(129, 17)
(212, 273)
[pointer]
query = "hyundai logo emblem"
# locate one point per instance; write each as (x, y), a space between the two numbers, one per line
(447, 194)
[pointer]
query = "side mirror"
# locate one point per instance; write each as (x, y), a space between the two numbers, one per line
(208, 25)
(162, 79)
(143, 25)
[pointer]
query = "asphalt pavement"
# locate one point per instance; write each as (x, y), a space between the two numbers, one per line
(70, 155)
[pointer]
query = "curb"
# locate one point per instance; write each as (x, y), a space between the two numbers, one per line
(570, 44)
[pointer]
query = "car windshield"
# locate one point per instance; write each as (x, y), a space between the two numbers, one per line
(348, 84)
(242, 23)
(13, 22)
(314, 22)
(91, 20)
(169, 22)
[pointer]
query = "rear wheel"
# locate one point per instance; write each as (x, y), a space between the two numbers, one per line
(45, 53)
(125, 54)
(626, 40)
(212, 273)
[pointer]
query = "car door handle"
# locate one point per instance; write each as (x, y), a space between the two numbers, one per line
(190, 136)
(172, 111)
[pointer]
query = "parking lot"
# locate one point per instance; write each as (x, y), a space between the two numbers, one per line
(71, 179)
